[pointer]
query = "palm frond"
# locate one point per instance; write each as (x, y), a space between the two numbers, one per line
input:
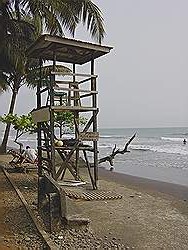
(17, 36)
(3, 82)
(90, 15)
(67, 14)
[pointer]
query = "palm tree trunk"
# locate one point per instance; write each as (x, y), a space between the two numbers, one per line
(3, 146)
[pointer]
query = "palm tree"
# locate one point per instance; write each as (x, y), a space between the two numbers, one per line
(16, 37)
(55, 16)
(22, 21)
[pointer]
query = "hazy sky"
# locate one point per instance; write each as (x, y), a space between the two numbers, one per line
(143, 82)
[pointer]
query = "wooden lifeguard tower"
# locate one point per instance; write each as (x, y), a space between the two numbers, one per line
(76, 92)
(79, 92)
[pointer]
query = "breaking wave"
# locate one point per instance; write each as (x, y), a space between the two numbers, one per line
(162, 149)
(172, 139)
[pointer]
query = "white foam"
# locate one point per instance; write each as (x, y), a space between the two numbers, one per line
(139, 147)
(106, 136)
(162, 149)
(171, 150)
(172, 139)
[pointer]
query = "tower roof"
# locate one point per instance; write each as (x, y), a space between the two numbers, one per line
(66, 50)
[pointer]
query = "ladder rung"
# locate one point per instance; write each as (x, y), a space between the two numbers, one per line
(77, 90)
(66, 82)
(72, 74)
(73, 108)
(67, 97)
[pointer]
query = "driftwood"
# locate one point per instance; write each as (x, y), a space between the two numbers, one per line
(115, 151)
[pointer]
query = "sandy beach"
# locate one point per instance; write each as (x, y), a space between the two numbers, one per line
(177, 191)
(150, 215)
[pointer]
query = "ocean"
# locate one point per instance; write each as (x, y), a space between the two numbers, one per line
(155, 153)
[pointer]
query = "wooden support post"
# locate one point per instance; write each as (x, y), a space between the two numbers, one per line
(39, 135)
(94, 104)
(89, 170)
(76, 121)
(60, 129)
(39, 141)
(52, 118)
(48, 151)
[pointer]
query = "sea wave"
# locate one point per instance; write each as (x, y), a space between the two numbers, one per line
(140, 147)
(175, 139)
(104, 145)
(161, 149)
(181, 134)
(112, 136)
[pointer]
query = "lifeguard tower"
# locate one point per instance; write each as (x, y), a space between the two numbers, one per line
(77, 93)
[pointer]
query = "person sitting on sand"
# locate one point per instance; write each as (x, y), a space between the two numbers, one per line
(30, 154)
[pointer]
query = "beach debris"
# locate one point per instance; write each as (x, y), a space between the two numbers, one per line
(60, 237)
(139, 194)
(58, 143)
(27, 238)
(110, 158)
(94, 195)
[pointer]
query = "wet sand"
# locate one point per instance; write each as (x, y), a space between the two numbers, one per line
(178, 191)
(150, 215)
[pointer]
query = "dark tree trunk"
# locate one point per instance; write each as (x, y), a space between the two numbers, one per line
(3, 146)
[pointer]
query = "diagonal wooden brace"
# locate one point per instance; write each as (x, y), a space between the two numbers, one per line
(66, 160)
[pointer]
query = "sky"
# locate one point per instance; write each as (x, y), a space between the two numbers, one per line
(143, 81)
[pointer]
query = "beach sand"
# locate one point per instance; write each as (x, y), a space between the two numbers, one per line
(150, 215)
